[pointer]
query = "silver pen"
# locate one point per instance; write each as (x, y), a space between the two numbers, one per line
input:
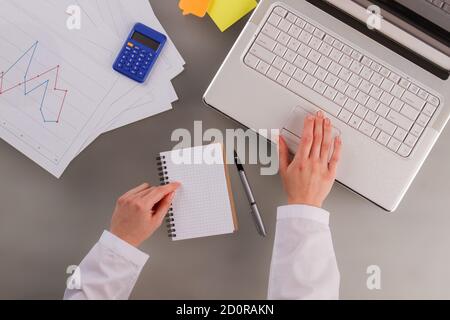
(254, 208)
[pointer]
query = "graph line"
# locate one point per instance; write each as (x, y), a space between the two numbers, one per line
(44, 84)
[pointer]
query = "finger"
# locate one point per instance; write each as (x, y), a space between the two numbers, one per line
(163, 207)
(332, 166)
(318, 136)
(304, 148)
(145, 192)
(327, 140)
(136, 190)
(159, 193)
(283, 156)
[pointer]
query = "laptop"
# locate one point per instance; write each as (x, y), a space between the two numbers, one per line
(387, 100)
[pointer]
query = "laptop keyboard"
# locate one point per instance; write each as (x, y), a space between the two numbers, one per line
(361, 91)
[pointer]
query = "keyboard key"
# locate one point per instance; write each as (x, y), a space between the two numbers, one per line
(305, 37)
(366, 128)
(274, 19)
(270, 31)
(362, 98)
(433, 100)
(280, 50)
(355, 80)
(345, 115)
(413, 100)
(262, 53)
(331, 80)
(325, 49)
(314, 56)
(351, 105)
(400, 134)
(423, 120)
(251, 60)
(294, 31)
(372, 104)
(291, 18)
(387, 85)
(273, 73)
(279, 63)
(386, 126)
(409, 112)
(394, 77)
(361, 111)
(283, 79)
(340, 99)
(405, 83)
(315, 43)
(321, 74)
(284, 25)
(341, 86)
(304, 50)
(417, 130)
(429, 109)
(383, 138)
(294, 44)
(347, 50)
(411, 140)
(281, 11)
(404, 150)
(309, 81)
(289, 69)
(414, 89)
(366, 73)
(266, 42)
(283, 38)
(385, 72)
(377, 79)
(345, 74)
(335, 54)
(375, 92)
(423, 94)
(345, 61)
(355, 121)
(290, 55)
(351, 91)
(330, 93)
(356, 55)
(399, 120)
(300, 62)
(386, 98)
(365, 86)
(371, 117)
(328, 39)
(397, 91)
(334, 68)
(299, 75)
(324, 62)
(263, 67)
(301, 23)
(320, 87)
(366, 61)
(319, 33)
(310, 67)
(394, 144)
(309, 28)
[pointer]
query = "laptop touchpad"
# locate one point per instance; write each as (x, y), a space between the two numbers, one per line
(292, 130)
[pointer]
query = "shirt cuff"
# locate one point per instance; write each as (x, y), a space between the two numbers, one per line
(123, 249)
(304, 212)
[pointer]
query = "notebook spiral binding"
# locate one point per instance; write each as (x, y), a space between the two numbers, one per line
(164, 179)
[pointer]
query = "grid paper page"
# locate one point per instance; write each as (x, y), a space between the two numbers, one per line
(202, 205)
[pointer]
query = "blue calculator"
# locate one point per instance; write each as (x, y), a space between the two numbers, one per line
(140, 52)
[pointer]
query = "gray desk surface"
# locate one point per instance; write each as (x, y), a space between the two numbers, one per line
(48, 224)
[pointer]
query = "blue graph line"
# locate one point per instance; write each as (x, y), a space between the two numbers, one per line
(44, 84)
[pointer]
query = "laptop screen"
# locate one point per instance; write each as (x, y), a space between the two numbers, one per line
(430, 16)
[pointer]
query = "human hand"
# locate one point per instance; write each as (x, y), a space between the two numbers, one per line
(141, 211)
(308, 178)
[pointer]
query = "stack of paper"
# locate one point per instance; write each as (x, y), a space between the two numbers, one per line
(58, 91)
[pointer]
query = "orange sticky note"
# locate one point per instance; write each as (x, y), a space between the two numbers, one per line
(196, 7)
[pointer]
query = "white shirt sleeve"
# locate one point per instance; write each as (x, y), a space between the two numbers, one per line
(303, 262)
(109, 271)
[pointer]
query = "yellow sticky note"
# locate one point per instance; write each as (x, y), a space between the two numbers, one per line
(225, 13)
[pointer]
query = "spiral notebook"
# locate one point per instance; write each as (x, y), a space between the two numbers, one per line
(203, 205)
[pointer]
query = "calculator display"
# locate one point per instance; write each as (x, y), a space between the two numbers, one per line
(146, 41)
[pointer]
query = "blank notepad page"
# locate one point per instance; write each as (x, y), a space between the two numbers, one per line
(202, 205)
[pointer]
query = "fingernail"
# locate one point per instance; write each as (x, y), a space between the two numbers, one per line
(327, 121)
(310, 117)
(320, 114)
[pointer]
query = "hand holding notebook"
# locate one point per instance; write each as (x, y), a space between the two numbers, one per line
(204, 204)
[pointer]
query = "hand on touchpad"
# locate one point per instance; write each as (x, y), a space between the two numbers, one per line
(292, 130)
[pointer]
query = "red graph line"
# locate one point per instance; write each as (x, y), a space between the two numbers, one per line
(55, 88)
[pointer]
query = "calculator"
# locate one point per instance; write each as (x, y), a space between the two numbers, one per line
(140, 52)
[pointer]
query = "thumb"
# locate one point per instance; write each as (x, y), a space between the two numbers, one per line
(283, 156)
(163, 207)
